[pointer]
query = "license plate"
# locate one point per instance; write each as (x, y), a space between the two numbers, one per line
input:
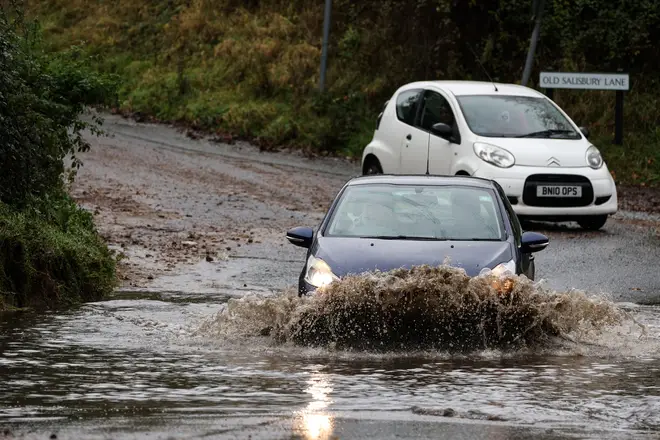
(558, 191)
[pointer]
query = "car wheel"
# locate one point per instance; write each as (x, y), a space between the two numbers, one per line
(301, 284)
(532, 270)
(372, 167)
(593, 223)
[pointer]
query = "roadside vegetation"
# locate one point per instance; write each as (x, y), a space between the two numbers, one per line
(250, 68)
(50, 252)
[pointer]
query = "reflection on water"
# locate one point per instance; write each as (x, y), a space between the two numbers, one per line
(313, 422)
(317, 426)
(127, 360)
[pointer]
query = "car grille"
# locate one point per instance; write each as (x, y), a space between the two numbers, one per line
(529, 191)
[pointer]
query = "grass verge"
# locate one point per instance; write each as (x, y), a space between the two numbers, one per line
(53, 258)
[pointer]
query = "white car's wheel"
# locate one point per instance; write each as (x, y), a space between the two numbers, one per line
(593, 223)
(372, 166)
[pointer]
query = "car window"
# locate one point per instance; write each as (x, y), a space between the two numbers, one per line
(406, 106)
(515, 116)
(436, 109)
(428, 211)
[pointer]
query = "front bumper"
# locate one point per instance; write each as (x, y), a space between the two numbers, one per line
(304, 288)
(519, 184)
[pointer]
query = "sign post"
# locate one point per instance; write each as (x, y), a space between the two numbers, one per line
(618, 118)
(619, 82)
(324, 46)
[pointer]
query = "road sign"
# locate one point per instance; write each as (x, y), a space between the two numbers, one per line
(619, 82)
(585, 81)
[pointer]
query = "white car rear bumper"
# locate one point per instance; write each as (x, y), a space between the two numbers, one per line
(519, 183)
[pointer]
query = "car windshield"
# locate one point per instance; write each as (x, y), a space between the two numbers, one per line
(515, 116)
(417, 212)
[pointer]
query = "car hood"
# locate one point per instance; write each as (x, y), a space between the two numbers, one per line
(358, 255)
(551, 153)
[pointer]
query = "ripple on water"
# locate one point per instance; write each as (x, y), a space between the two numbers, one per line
(578, 360)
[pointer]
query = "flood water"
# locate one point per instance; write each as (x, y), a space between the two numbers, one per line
(138, 366)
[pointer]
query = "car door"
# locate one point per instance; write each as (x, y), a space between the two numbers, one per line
(440, 151)
(413, 140)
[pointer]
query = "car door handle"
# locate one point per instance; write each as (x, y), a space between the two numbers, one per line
(409, 137)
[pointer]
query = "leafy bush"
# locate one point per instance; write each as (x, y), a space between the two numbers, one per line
(215, 63)
(50, 253)
(40, 101)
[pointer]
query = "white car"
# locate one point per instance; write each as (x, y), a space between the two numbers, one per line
(504, 132)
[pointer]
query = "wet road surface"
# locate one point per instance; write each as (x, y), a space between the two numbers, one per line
(201, 223)
(135, 369)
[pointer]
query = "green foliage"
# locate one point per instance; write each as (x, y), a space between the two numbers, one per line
(51, 256)
(50, 252)
(41, 99)
(252, 68)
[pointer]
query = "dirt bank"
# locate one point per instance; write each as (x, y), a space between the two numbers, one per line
(165, 205)
(639, 198)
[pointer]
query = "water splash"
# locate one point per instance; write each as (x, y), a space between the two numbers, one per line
(438, 308)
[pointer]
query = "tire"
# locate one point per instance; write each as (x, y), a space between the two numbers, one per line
(372, 167)
(593, 223)
(532, 270)
(525, 223)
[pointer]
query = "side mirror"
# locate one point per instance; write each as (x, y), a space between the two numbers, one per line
(301, 236)
(585, 131)
(442, 130)
(533, 242)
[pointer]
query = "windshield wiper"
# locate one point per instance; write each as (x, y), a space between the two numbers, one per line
(478, 239)
(544, 133)
(413, 237)
(402, 237)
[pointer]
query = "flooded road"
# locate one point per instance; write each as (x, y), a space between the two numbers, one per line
(133, 368)
(202, 225)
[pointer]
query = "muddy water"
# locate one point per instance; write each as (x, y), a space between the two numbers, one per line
(151, 364)
(168, 366)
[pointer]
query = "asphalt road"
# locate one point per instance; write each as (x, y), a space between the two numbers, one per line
(271, 192)
(200, 222)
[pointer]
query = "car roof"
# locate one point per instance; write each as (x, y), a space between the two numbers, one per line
(462, 88)
(421, 179)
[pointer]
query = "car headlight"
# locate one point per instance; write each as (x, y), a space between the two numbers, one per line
(318, 272)
(594, 159)
(503, 268)
(494, 155)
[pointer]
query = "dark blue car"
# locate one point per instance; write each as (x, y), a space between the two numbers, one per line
(384, 222)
